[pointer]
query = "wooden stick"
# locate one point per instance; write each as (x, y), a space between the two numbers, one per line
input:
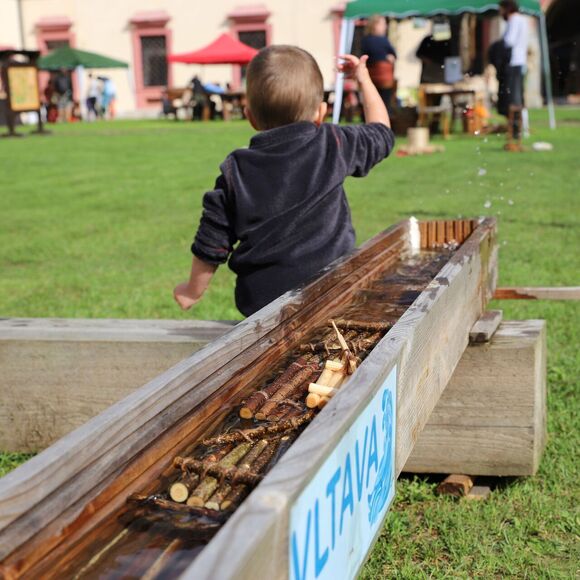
(322, 390)
(538, 293)
(257, 399)
(449, 235)
(94, 560)
(260, 432)
(218, 471)
(162, 561)
(238, 492)
(243, 469)
(286, 390)
(208, 485)
(362, 325)
(423, 233)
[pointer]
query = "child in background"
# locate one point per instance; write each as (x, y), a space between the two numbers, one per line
(278, 211)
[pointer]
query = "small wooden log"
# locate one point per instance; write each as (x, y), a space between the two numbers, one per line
(260, 432)
(485, 327)
(322, 390)
(423, 234)
(257, 399)
(215, 501)
(238, 492)
(208, 485)
(368, 325)
(162, 560)
(179, 492)
(537, 293)
(288, 389)
(479, 493)
(456, 485)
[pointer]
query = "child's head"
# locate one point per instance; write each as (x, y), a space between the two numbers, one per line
(284, 85)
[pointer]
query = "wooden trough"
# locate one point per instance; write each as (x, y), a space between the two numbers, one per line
(65, 512)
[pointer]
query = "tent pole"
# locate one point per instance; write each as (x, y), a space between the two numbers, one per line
(344, 43)
(547, 73)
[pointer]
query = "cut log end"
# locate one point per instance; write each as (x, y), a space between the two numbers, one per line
(246, 413)
(260, 416)
(195, 501)
(456, 485)
(312, 400)
(178, 492)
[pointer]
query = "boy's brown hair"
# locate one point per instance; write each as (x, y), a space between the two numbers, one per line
(284, 85)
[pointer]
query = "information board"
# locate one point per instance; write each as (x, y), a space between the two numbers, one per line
(23, 88)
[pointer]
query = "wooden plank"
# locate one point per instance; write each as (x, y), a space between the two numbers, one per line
(425, 345)
(69, 370)
(491, 418)
(486, 326)
(537, 293)
(84, 463)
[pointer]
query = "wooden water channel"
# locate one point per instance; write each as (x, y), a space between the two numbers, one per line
(103, 501)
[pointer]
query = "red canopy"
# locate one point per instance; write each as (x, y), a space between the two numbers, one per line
(224, 50)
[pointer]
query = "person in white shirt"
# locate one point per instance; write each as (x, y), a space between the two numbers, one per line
(92, 97)
(516, 39)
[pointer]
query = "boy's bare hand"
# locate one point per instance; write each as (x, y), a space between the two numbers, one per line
(353, 67)
(184, 296)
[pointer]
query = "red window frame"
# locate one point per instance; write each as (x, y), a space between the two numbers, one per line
(248, 19)
(149, 24)
(59, 29)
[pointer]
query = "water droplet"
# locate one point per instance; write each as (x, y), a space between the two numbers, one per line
(487, 204)
(510, 201)
(481, 171)
(501, 197)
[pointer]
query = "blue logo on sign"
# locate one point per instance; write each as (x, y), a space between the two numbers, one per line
(335, 519)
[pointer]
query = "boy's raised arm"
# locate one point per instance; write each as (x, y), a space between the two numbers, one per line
(373, 105)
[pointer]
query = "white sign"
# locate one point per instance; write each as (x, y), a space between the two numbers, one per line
(337, 516)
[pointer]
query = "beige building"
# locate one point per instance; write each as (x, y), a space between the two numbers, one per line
(143, 32)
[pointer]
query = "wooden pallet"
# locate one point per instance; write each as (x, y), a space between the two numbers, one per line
(53, 505)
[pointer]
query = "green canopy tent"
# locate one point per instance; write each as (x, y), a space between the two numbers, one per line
(74, 59)
(401, 9)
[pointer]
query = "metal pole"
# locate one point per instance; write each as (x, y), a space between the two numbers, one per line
(344, 44)
(21, 25)
(547, 73)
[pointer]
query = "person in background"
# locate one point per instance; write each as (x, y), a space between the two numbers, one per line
(108, 94)
(63, 92)
(382, 56)
(432, 54)
(92, 97)
(516, 39)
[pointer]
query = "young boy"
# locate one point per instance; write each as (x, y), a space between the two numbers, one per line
(282, 199)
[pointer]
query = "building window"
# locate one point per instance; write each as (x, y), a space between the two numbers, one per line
(151, 45)
(154, 61)
(250, 25)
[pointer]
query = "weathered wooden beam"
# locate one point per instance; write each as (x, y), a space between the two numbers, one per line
(424, 346)
(74, 486)
(124, 449)
(491, 418)
(537, 293)
(485, 327)
(59, 373)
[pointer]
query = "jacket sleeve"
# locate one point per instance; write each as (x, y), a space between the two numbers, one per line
(215, 236)
(363, 146)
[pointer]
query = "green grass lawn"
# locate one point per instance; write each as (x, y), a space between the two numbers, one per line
(96, 221)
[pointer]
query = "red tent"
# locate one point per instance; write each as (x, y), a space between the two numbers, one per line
(224, 50)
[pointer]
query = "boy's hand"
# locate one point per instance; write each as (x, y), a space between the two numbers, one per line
(184, 296)
(354, 67)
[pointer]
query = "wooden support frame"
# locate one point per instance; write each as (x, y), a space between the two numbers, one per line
(491, 418)
(538, 293)
(75, 484)
(69, 370)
